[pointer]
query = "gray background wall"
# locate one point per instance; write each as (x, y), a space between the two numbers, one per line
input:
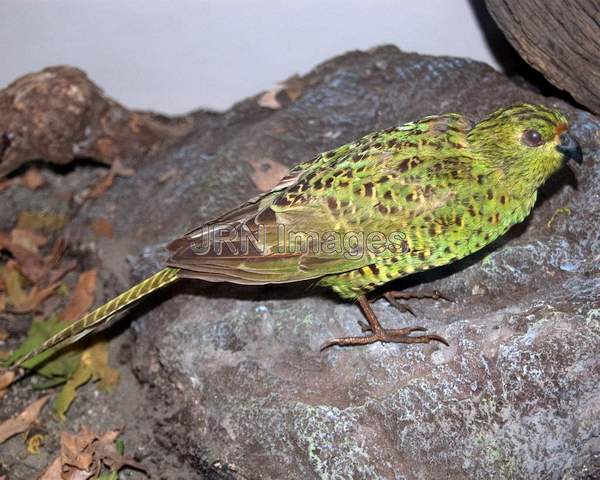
(174, 56)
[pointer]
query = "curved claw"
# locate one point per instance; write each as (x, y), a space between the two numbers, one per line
(327, 344)
(438, 338)
(348, 341)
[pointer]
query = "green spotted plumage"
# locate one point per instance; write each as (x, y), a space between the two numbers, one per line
(437, 190)
(422, 180)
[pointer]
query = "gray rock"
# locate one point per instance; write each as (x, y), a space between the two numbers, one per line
(516, 395)
(234, 375)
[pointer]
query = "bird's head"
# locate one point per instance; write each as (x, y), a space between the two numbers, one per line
(528, 142)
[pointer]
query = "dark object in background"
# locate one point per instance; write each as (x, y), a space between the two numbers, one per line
(561, 39)
(57, 115)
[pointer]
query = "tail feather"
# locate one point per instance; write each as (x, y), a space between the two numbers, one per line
(95, 319)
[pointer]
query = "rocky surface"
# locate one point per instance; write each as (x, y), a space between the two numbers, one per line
(231, 380)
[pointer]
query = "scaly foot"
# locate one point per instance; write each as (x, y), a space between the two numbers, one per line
(380, 334)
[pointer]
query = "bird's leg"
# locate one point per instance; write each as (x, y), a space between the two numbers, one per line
(380, 334)
(393, 296)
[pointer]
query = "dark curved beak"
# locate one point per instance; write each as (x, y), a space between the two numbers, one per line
(570, 148)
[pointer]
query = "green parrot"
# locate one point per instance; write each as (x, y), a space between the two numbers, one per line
(392, 203)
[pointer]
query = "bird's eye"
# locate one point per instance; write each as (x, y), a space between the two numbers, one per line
(532, 138)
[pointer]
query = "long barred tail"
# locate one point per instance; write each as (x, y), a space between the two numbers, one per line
(95, 319)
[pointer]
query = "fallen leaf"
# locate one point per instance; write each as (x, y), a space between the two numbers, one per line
(95, 359)
(43, 221)
(66, 396)
(113, 474)
(16, 297)
(59, 247)
(21, 422)
(32, 179)
(293, 87)
(3, 333)
(2, 302)
(116, 169)
(269, 98)
(102, 227)
(75, 450)
(28, 239)
(267, 173)
(82, 298)
(28, 262)
(112, 455)
(13, 284)
(93, 366)
(56, 366)
(6, 379)
(73, 366)
(35, 298)
(83, 455)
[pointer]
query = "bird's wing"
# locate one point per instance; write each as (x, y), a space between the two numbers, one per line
(315, 222)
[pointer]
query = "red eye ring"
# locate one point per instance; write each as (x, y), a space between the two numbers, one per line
(532, 138)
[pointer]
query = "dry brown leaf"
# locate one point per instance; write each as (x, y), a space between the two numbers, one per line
(107, 451)
(34, 298)
(13, 284)
(3, 333)
(40, 220)
(267, 173)
(6, 379)
(116, 169)
(32, 179)
(19, 301)
(21, 422)
(269, 98)
(59, 247)
(293, 87)
(82, 455)
(74, 449)
(2, 302)
(30, 264)
(82, 298)
(102, 227)
(28, 239)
